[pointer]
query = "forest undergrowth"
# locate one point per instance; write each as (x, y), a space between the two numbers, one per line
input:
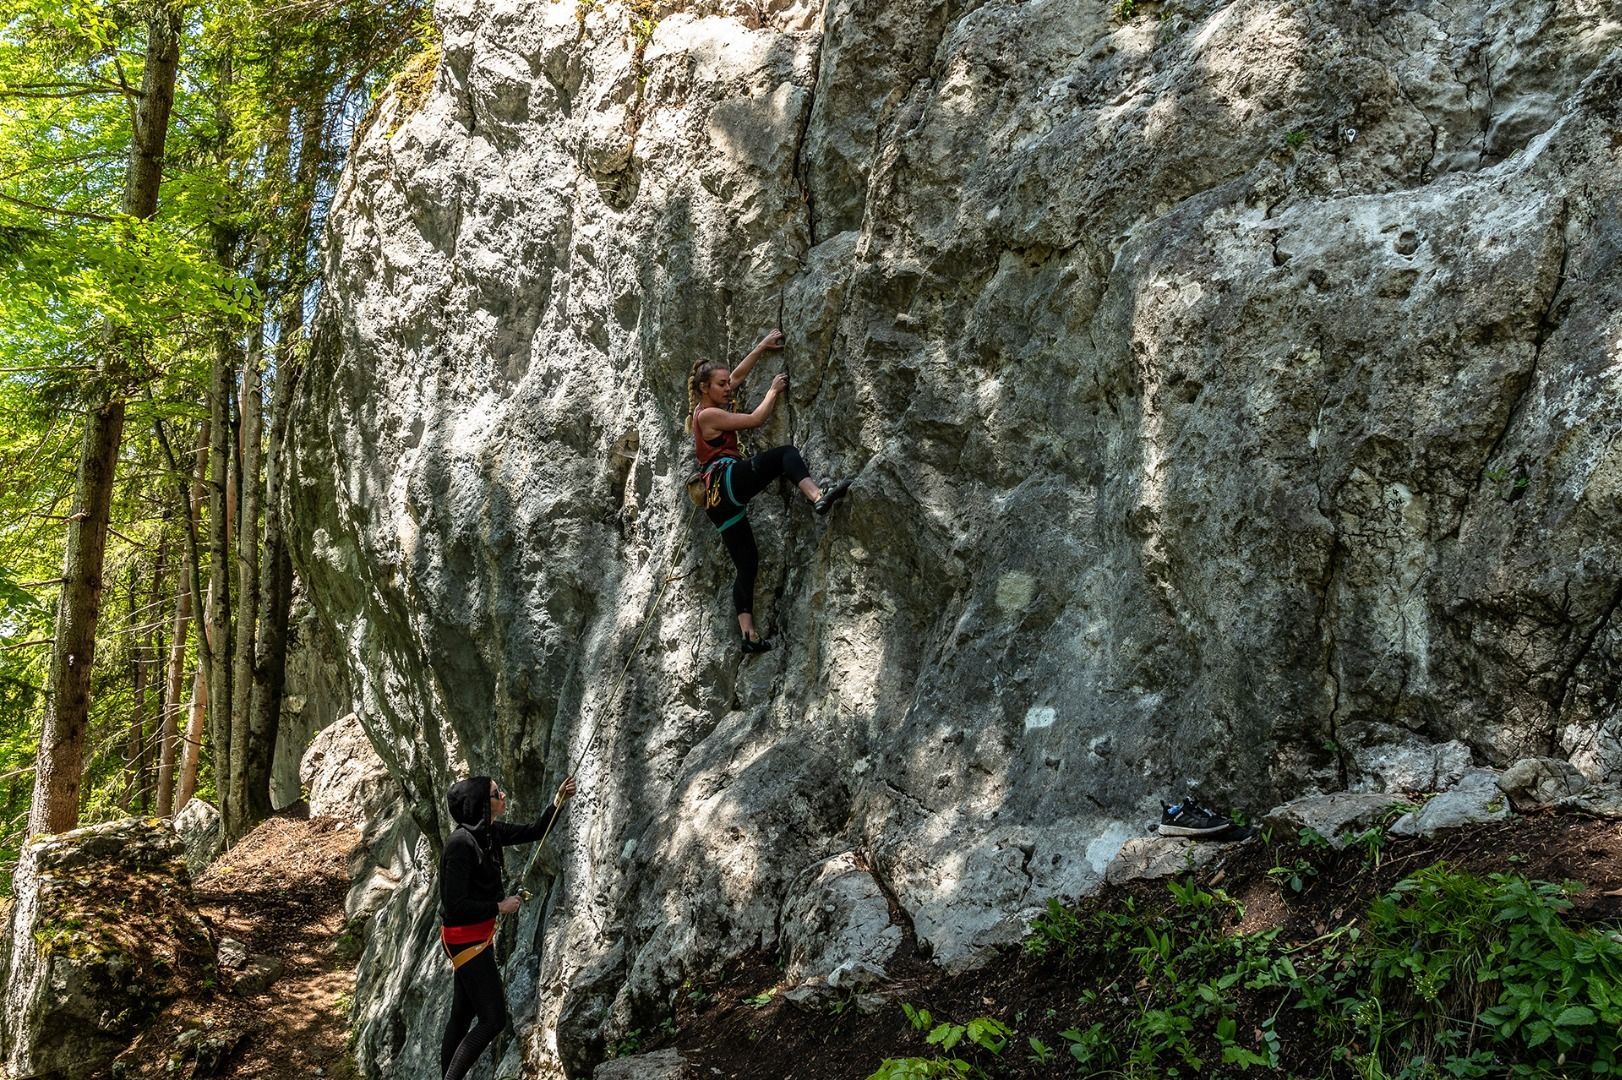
(1491, 953)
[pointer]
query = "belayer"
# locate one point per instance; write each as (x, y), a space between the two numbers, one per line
(728, 480)
(471, 895)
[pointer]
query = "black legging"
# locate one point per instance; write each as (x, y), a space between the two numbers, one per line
(479, 993)
(739, 484)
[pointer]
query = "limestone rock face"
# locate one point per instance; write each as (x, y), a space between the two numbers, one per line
(84, 975)
(1231, 392)
(317, 695)
(837, 925)
(346, 779)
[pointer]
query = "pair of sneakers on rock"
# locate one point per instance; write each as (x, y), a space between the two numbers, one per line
(1195, 821)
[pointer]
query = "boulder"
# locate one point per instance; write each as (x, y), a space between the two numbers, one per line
(198, 825)
(1533, 782)
(1600, 802)
(1161, 856)
(1475, 800)
(344, 776)
(257, 973)
(837, 927)
(84, 974)
(659, 1065)
(1337, 817)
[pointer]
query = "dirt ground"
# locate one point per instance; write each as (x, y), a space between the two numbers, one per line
(280, 892)
(731, 1029)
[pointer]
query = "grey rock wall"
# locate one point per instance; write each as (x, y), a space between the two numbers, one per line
(317, 695)
(1232, 392)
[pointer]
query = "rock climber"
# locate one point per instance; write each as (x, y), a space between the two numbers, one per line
(470, 898)
(731, 480)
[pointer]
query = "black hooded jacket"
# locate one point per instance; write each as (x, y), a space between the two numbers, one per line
(470, 884)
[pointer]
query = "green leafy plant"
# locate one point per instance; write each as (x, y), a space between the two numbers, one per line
(626, 1044)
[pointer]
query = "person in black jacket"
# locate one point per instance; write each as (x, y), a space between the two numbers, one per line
(471, 895)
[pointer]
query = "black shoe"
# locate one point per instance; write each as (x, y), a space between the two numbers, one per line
(831, 496)
(756, 645)
(1189, 818)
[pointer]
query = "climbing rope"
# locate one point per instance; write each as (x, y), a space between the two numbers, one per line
(596, 725)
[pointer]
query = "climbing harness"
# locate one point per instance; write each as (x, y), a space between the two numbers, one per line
(460, 958)
(718, 486)
(703, 488)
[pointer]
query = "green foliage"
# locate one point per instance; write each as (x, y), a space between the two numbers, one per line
(1442, 945)
(95, 303)
(626, 1044)
(917, 1068)
(1124, 9)
(1447, 975)
(983, 1034)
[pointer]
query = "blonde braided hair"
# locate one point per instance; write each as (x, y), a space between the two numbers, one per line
(698, 377)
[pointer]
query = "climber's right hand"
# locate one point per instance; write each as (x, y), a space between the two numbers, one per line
(509, 906)
(780, 384)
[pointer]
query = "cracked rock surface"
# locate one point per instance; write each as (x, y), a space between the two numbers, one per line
(1232, 394)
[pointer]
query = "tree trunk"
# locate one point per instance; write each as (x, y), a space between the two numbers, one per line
(221, 500)
(137, 729)
(190, 600)
(142, 650)
(249, 804)
(59, 768)
(191, 748)
(157, 649)
(270, 667)
(270, 672)
(171, 696)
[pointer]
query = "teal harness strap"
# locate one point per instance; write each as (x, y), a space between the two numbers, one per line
(725, 484)
(743, 511)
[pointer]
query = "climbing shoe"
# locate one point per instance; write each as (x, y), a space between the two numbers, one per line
(756, 645)
(832, 495)
(1189, 818)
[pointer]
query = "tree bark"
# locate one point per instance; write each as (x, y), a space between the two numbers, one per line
(190, 599)
(157, 649)
(143, 626)
(59, 769)
(249, 805)
(191, 747)
(137, 728)
(60, 766)
(270, 672)
(221, 499)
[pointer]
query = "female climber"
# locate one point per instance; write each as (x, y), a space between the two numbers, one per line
(731, 480)
(470, 898)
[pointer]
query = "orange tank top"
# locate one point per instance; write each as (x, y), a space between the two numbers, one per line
(723, 445)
